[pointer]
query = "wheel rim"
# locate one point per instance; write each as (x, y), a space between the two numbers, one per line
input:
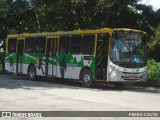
(87, 78)
(32, 73)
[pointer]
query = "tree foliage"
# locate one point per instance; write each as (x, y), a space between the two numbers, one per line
(154, 44)
(52, 15)
(19, 16)
(153, 70)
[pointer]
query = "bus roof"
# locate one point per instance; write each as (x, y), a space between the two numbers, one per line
(79, 31)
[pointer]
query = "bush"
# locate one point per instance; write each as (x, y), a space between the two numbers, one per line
(153, 70)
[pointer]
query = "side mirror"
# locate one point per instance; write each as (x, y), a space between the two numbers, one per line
(145, 37)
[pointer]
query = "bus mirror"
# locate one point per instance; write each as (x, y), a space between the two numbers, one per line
(144, 39)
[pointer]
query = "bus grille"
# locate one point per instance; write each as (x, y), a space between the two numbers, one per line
(131, 77)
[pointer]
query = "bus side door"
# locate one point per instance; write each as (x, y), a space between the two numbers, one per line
(102, 56)
(51, 61)
(20, 49)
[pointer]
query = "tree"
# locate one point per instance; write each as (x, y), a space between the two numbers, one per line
(75, 14)
(3, 20)
(154, 44)
(16, 15)
(147, 18)
(52, 15)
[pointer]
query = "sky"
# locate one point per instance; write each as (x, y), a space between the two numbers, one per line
(155, 3)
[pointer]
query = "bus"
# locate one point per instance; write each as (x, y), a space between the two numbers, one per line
(113, 55)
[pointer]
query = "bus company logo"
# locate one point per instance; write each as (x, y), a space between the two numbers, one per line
(6, 114)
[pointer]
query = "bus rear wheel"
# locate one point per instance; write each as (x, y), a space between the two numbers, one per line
(32, 72)
(86, 77)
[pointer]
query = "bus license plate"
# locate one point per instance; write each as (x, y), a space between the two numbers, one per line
(132, 77)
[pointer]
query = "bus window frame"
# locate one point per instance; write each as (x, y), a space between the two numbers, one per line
(94, 43)
(57, 47)
(60, 44)
(36, 44)
(80, 45)
(31, 38)
(9, 39)
(20, 39)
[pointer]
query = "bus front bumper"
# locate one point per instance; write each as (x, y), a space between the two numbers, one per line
(127, 77)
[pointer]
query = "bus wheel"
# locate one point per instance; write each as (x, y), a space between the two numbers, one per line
(86, 77)
(32, 72)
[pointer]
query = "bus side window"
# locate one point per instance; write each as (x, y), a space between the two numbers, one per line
(88, 44)
(64, 44)
(40, 44)
(12, 45)
(75, 44)
(52, 47)
(29, 45)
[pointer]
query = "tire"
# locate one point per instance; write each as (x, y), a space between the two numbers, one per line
(119, 85)
(32, 72)
(86, 77)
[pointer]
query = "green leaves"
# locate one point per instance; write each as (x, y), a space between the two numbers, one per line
(76, 2)
(51, 15)
(154, 44)
(153, 70)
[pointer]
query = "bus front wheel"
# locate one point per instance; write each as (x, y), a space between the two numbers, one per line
(32, 72)
(86, 77)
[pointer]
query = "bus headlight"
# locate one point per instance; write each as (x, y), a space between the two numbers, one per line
(113, 69)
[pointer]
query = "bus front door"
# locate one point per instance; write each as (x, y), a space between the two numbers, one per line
(20, 48)
(51, 62)
(102, 56)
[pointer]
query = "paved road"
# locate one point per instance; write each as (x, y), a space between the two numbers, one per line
(18, 93)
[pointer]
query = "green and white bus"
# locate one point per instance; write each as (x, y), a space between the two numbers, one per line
(111, 55)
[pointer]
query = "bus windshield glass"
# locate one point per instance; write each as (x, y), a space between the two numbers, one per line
(128, 49)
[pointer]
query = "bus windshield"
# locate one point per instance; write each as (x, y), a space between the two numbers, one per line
(128, 49)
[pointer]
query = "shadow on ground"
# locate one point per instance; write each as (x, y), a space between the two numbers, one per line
(11, 81)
